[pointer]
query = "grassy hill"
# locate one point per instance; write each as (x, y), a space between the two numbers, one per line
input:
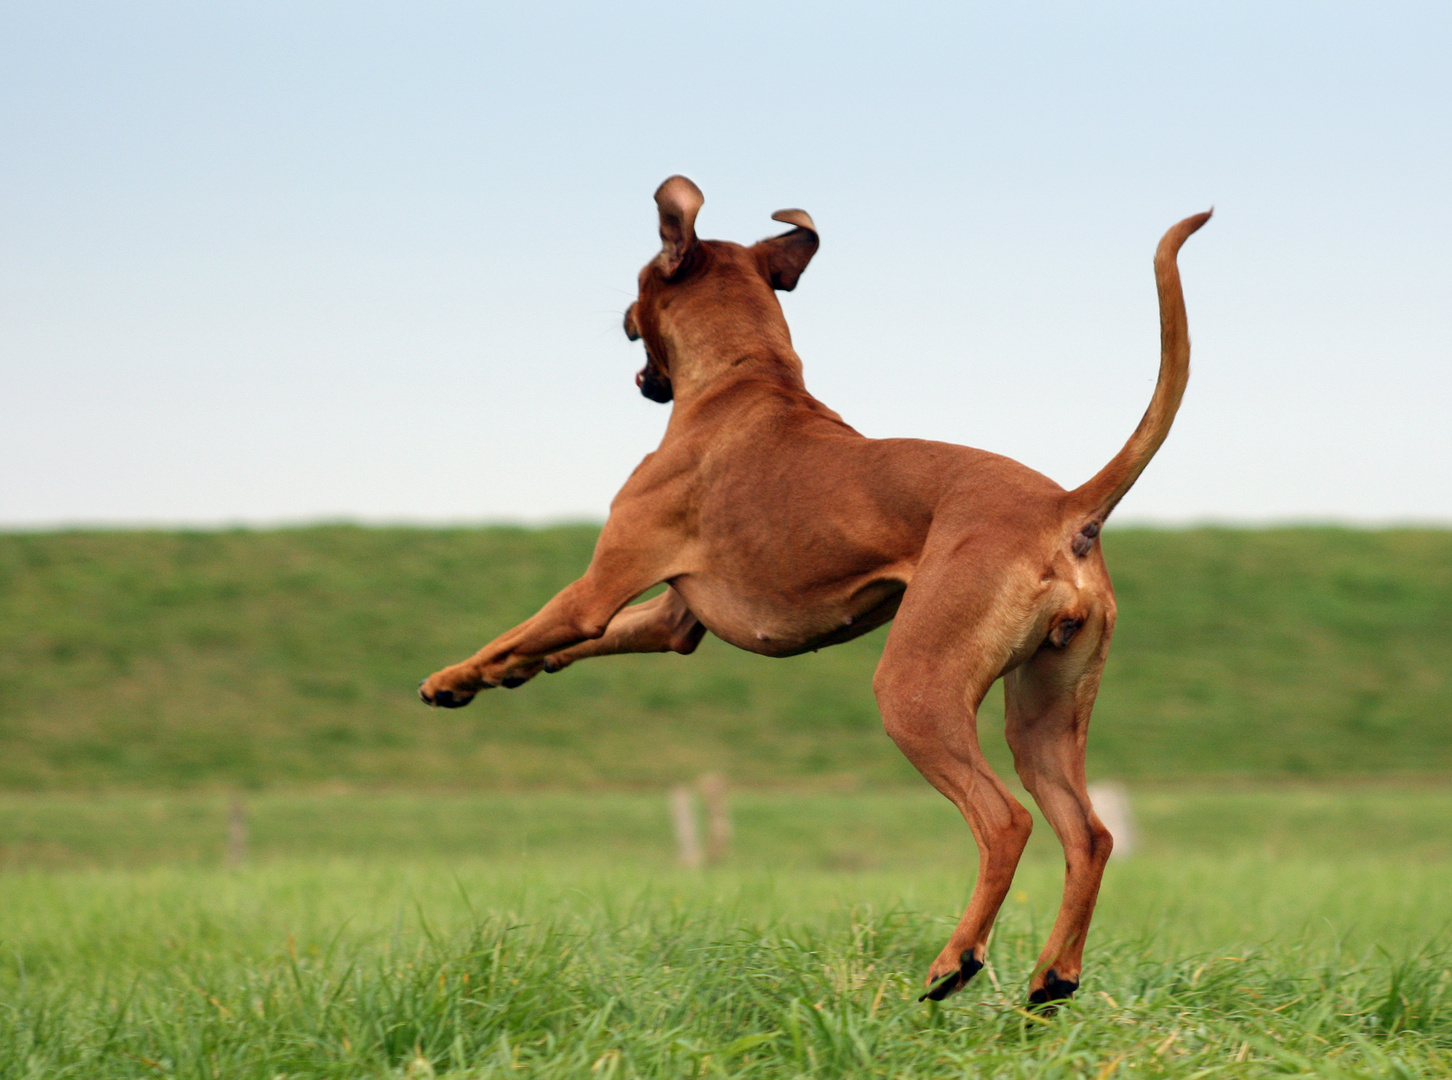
(289, 657)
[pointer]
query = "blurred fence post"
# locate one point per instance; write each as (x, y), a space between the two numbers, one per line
(236, 832)
(1111, 803)
(718, 817)
(683, 816)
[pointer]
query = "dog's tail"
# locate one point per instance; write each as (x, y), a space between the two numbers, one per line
(1094, 501)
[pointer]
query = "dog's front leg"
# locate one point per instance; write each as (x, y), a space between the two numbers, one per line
(661, 624)
(578, 613)
(638, 547)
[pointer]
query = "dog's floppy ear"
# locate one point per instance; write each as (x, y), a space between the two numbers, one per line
(787, 255)
(678, 200)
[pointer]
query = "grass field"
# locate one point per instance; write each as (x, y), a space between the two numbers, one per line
(493, 892)
(290, 658)
(1260, 932)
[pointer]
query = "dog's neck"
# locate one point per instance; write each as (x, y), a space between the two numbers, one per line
(706, 356)
(749, 365)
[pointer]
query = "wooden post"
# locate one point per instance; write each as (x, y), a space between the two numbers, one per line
(1111, 803)
(236, 832)
(718, 817)
(683, 815)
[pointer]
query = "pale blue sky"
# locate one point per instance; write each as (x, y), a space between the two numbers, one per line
(287, 262)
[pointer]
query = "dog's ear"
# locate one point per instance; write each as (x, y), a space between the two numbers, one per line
(787, 255)
(678, 200)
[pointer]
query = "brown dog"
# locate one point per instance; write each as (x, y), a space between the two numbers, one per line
(780, 529)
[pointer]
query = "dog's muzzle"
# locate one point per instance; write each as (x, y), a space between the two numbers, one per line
(653, 386)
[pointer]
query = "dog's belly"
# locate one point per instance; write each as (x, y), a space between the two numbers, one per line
(776, 625)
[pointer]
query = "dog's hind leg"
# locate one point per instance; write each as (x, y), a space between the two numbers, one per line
(929, 685)
(1047, 702)
(662, 624)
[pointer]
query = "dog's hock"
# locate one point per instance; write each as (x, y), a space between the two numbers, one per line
(787, 255)
(678, 201)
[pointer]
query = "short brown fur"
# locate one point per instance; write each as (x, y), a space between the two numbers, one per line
(780, 529)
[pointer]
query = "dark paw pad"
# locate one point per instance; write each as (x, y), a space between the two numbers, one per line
(954, 981)
(1054, 989)
(512, 681)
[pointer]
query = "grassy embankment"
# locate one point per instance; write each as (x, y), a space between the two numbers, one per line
(288, 658)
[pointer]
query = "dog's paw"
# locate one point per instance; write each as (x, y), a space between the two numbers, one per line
(443, 697)
(1054, 990)
(944, 986)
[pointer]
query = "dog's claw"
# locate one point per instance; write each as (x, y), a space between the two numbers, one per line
(443, 699)
(954, 981)
(940, 989)
(446, 698)
(1054, 990)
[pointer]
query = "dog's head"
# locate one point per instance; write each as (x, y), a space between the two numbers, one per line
(699, 293)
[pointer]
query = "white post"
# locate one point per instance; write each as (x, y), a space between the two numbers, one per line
(683, 815)
(1111, 803)
(718, 817)
(236, 832)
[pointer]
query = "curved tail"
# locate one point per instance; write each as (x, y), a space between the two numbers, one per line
(1095, 499)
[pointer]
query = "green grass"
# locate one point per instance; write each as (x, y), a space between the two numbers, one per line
(493, 892)
(1317, 944)
(290, 658)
